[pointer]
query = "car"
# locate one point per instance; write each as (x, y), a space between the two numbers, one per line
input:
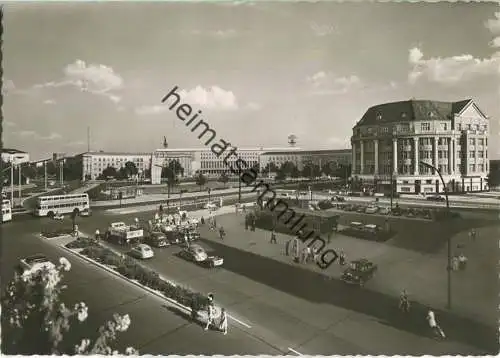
(436, 198)
(360, 209)
(384, 211)
(58, 217)
(211, 206)
(359, 272)
(35, 263)
(157, 239)
(338, 198)
(197, 254)
(371, 209)
(142, 251)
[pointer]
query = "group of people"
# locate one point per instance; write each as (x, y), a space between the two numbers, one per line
(222, 323)
(459, 262)
(436, 330)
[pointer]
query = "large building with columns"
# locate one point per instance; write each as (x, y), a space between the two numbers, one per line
(391, 140)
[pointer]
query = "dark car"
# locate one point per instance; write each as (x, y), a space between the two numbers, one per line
(157, 239)
(338, 198)
(197, 254)
(359, 272)
(436, 198)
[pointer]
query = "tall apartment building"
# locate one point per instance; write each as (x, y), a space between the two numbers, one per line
(391, 140)
(93, 163)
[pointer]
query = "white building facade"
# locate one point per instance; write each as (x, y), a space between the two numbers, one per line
(15, 156)
(203, 160)
(93, 163)
(391, 140)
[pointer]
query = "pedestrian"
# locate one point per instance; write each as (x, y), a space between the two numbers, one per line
(186, 240)
(454, 263)
(404, 303)
(342, 259)
(97, 234)
(222, 233)
(330, 236)
(315, 253)
(223, 321)
(462, 261)
(210, 316)
(202, 220)
(472, 234)
(434, 326)
(287, 247)
(273, 238)
(253, 224)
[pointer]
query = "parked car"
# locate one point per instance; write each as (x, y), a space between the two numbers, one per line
(58, 217)
(361, 209)
(35, 263)
(197, 254)
(142, 251)
(156, 239)
(384, 211)
(338, 198)
(371, 209)
(436, 198)
(359, 272)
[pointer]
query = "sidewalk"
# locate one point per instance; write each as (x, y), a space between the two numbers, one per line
(422, 275)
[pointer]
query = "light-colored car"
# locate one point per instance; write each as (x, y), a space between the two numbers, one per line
(384, 211)
(36, 263)
(197, 254)
(59, 217)
(211, 206)
(142, 251)
(371, 209)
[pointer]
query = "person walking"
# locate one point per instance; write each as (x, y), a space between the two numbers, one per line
(404, 303)
(223, 321)
(97, 234)
(273, 238)
(434, 326)
(210, 316)
(202, 220)
(472, 234)
(342, 259)
(222, 233)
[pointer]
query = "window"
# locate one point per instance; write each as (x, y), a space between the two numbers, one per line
(425, 127)
(472, 168)
(472, 154)
(480, 154)
(480, 168)
(472, 141)
(480, 141)
(459, 126)
(444, 126)
(385, 129)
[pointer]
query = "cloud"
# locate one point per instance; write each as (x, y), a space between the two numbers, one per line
(93, 78)
(29, 134)
(324, 29)
(49, 101)
(323, 83)
(459, 68)
(8, 86)
(211, 98)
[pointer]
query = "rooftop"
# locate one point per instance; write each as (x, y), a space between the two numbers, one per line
(311, 152)
(13, 151)
(414, 110)
(206, 149)
(114, 153)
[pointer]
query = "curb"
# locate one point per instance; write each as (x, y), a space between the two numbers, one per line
(135, 283)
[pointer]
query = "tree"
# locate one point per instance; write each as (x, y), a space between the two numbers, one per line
(109, 172)
(223, 178)
(176, 167)
(201, 180)
(289, 169)
(131, 169)
(122, 173)
(307, 171)
(270, 168)
(343, 171)
(329, 168)
(280, 175)
(72, 169)
(35, 319)
(29, 171)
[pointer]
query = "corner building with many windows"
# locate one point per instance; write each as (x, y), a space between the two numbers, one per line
(391, 140)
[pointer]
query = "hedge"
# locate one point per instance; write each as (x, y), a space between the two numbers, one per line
(56, 232)
(130, 269)
(81, 243)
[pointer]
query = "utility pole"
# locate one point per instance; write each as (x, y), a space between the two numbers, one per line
(61, 172)
(239, 185)
(20, 196)
(45, 173)
(88, 139)
(12, 183)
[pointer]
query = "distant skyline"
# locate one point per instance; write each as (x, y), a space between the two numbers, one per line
(258, 71)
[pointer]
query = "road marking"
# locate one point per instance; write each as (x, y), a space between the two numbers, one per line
(294, 351)
(240, 322)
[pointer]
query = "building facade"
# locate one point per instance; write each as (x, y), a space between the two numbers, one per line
(203, 160)
(15, 156)
(302, 157)
(93, 163)
(391, 141)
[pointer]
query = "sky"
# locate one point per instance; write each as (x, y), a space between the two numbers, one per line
(258, 71)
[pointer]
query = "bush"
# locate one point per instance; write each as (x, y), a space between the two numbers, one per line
(81, 243)
(50, 233)
(129, 268)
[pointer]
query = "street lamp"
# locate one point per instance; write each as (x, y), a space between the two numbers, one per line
(208, 191)
(448, 268)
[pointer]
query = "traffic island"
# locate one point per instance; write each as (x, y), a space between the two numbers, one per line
(127, 268)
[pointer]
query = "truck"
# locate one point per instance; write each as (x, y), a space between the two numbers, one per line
(124, 234)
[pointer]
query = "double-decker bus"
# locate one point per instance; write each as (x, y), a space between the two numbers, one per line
(52, 205)
(6, 210)
(286, 193)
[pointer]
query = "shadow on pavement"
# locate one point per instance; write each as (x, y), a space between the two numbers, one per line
(314, 287)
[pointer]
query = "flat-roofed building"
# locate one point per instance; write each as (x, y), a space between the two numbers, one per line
(302, 157)
(93, 163)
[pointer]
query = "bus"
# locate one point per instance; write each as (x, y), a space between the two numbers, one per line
(285, 193)
(6, 210)
(51, 205)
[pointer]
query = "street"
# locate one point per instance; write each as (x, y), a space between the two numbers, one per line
(303, 313)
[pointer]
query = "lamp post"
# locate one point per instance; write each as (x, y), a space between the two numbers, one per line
(208, 191)
(448, 268)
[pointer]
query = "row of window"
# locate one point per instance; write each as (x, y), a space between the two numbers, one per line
(480, 154)
(480, 141)
(63, 197)
(60, 206)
